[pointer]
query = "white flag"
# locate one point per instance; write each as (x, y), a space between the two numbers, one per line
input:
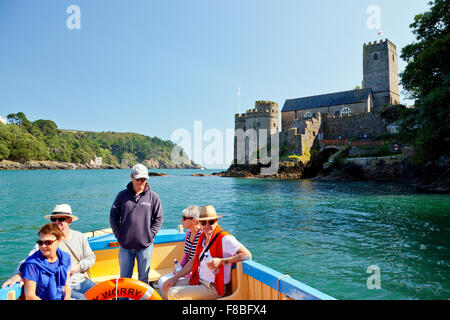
(239, 90)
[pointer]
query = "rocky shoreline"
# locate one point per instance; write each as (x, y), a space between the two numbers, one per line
(160, 164)
(434, 177)
(56, 165)
(286, 170)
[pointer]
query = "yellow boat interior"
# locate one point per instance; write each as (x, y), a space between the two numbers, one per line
(250, 280)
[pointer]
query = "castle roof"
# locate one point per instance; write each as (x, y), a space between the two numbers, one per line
(326, 100)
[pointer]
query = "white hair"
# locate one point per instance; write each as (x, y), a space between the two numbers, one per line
(192, 212)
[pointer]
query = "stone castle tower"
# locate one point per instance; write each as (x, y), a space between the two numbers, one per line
(380, 72)
(265, 115)
(337, 115)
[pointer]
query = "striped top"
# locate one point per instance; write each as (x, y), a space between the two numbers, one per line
(189, 247)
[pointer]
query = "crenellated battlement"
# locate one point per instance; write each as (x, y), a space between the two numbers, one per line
(262, 109)
(377, 45)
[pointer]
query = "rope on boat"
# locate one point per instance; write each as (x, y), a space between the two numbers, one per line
(283, 276)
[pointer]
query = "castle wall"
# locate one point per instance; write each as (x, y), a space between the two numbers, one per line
(288, 119)
(369, 124)
(290, 142)
(300, 139)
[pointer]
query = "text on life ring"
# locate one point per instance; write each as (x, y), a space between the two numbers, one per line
(122, 288)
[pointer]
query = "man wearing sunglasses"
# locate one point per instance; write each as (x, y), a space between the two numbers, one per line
(135, 217)
(211, 278)
(76, 245)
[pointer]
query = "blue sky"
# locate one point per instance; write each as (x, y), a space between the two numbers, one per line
(155, 66)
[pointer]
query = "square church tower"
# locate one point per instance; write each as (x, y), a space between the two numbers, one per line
(380, 72)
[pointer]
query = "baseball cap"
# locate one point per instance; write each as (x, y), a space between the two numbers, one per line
(140, 171)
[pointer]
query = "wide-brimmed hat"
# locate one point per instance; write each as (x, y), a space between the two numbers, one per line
(62, 210)
(208, 213)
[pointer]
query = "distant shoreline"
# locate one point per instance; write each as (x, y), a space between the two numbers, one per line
(56, 165)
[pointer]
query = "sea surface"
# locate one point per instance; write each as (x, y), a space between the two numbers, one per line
(332, 236)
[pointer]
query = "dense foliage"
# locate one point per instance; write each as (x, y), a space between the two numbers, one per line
(23, 140)
(427, 79)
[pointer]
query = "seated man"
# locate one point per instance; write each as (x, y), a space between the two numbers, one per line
(216, 251)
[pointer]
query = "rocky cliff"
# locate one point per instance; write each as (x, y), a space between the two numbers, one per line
(433, 177)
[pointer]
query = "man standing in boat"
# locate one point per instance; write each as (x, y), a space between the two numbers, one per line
(135, 218)
(216, 251)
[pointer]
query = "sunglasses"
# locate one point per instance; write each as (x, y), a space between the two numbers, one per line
(210, 222)
(60, 219)
(141, 179)
(187, 218)
(46, 242)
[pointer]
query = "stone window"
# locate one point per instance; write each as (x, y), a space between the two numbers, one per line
(346, 111)
(308, 114)
(375, 56)
(258, 125)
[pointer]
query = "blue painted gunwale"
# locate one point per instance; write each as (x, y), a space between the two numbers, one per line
(4, 291)
(283, 283)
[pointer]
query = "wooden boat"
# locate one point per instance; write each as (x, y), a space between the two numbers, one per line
(250, 279)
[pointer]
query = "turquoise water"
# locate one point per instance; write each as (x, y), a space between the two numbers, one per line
(324, 234)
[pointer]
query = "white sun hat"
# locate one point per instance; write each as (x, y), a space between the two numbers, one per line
(62, 210)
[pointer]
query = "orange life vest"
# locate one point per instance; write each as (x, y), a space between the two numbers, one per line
(216, 252)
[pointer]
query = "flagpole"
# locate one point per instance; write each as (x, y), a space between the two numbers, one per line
(239, 99)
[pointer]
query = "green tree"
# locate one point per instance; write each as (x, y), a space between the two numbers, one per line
(18, 118)
(23, 146)
(47, 127)
(392, 113)
(5, 138)
(426, 78)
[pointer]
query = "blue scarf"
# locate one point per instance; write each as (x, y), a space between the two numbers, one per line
(55, 274)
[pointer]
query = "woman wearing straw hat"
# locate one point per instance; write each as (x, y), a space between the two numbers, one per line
(210, 278)
(75, 244)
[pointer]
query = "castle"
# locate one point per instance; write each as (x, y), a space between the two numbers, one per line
(339, 115)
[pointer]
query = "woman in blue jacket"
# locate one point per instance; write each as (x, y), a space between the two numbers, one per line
(46, 273)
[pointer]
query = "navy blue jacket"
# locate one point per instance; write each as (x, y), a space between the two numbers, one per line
(135, 220)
